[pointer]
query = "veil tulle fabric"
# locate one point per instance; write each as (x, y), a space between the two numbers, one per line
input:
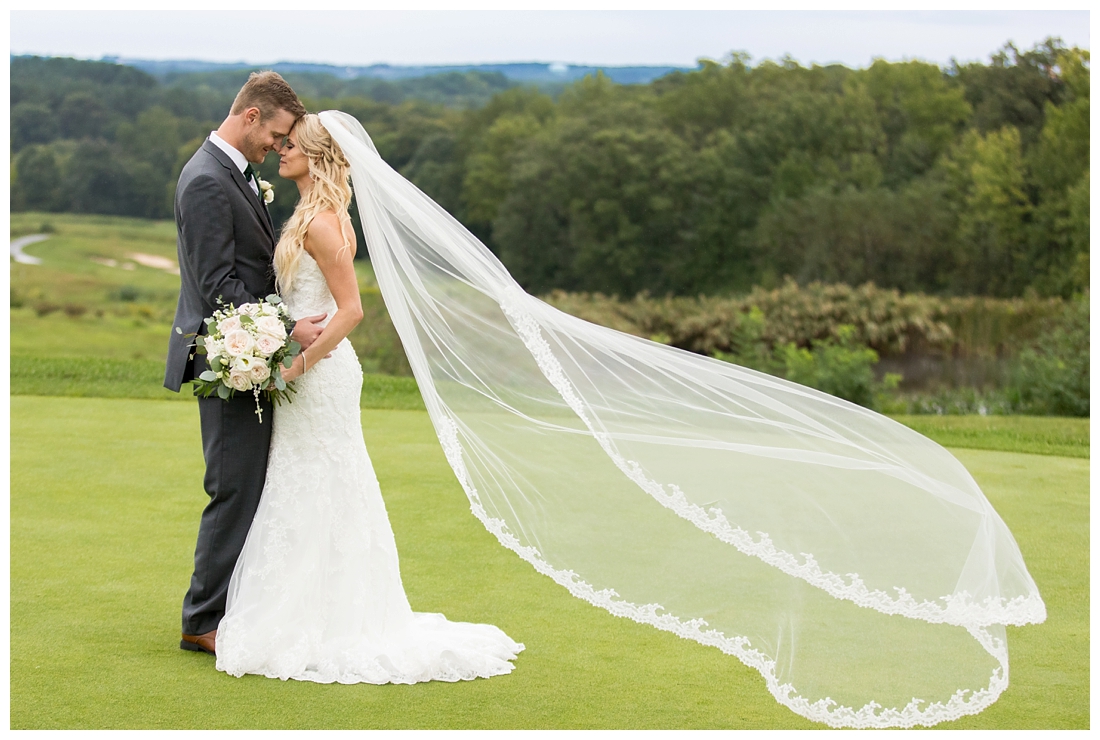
(851, 561)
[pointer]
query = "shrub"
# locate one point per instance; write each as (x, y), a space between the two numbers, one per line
(1052, 375)
(45, 308)
(74, 310)
(127, 294)
(885, 320)
(748, 347)
(841, 367)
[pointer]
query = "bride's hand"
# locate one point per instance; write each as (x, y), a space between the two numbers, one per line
(295, 369)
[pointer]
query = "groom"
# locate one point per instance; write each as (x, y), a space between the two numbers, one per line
(225, 246)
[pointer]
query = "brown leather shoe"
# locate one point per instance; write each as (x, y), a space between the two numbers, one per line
(199, 643)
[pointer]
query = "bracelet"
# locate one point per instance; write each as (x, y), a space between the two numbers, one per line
(305, 365)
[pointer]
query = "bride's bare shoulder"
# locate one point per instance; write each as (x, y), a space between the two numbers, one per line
(329, 232)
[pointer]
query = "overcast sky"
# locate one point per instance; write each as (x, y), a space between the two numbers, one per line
(617, 37)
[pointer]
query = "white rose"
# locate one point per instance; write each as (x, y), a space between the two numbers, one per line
(238, 342)
(250, 309)
(266, 309)
(266, 189)
(239, 380)
(268, 345)
(272, 325)
(227, 325)
(259, 372)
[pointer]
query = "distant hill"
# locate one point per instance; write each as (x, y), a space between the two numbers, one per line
(523, 72)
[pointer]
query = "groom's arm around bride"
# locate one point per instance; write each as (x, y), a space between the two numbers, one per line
(225, 238)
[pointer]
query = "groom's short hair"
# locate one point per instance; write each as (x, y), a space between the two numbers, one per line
(269, 92)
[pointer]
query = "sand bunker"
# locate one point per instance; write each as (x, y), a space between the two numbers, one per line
(146, 260)
(157, 263)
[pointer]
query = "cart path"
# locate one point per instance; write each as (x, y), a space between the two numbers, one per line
(25, 241)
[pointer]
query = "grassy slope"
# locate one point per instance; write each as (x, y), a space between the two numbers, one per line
(105, 501)
(93, 377)
(113, 378)
(73, 306)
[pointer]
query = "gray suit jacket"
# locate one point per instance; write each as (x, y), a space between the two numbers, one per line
(225, 245)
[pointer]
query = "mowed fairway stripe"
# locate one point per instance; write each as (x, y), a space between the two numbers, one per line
(105, 502)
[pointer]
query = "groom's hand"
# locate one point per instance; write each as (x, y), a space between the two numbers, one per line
(307, 330)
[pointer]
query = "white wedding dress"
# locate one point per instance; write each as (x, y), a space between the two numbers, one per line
(316, 594)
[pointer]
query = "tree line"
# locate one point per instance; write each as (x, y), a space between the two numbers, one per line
(965, 180)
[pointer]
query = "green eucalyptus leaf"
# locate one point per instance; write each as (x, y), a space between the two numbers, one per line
(223, 391)
(208, 375)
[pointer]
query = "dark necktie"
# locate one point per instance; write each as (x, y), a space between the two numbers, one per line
(250, 177)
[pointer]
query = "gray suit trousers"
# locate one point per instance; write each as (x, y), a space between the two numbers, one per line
(235, 446)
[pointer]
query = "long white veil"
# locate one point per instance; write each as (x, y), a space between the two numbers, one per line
(851, 561)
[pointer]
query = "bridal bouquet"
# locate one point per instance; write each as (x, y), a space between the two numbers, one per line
(245, 347)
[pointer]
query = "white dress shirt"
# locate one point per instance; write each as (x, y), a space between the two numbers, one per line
(237, 157)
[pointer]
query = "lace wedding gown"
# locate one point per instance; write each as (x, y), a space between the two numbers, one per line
(316, 594)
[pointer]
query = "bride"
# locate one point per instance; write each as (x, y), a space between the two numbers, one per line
(855, 564)
(316, 594)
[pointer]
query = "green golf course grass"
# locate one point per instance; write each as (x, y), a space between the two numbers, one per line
(105, 502)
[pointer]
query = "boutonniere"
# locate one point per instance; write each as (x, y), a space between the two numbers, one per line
(266, 190)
